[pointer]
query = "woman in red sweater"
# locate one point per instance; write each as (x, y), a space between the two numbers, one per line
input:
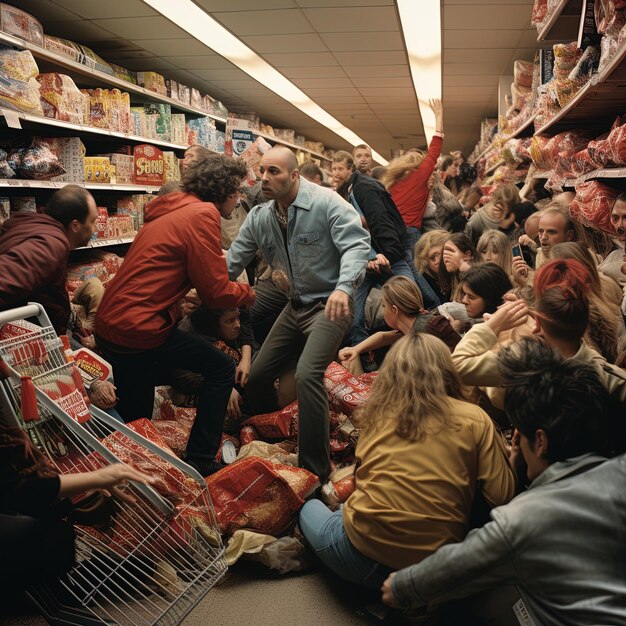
(406, 179)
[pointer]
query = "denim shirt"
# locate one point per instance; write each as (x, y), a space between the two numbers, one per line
(328, 247)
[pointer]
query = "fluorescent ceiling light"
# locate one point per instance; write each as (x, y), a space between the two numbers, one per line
(211, 33)
(421, 24)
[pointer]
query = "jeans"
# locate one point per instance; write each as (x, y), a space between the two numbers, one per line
(304, 335)
(358, 332)
(430, 297)
(326, 535)
(136, 374)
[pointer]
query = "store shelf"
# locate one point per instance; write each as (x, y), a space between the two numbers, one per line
(18, 183)
(103, 243)
(11, 115)
(597, 103)
(494, 167)
(614, 172)
(562, 23)
(522, 131)
(102, 79)
(295, 146)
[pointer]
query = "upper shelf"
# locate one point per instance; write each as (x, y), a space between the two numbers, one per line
(13, 118)
(562, 23)
(522, 131)
(17, 183)
(258, 133)
(99, 78)
(597, 103)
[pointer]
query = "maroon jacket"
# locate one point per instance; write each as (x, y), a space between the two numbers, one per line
(34, 249)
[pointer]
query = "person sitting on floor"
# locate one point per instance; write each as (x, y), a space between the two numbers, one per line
(569, 520)
(404, 312)
(423, 453)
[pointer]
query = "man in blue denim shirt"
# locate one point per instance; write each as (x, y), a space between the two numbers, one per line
(316, 238)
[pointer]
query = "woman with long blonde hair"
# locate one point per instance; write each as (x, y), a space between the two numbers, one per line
(427, 254)
(423, 452)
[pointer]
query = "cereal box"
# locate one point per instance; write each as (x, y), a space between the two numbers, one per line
(149, 166)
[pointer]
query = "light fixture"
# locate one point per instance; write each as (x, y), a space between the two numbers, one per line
(211, 33)
(421, 25)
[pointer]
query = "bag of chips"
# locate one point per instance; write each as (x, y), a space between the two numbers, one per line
(345, 392)
(37, 161)
(593, 204)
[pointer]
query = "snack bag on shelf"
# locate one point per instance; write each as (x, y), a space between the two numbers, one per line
(566, 56)
(61, 99)
(610, 16)
(195, 98)
(592, 205)
(616, 145)
(171, 86)
(21, 24)
(539, 13)
(64, 47)
(178, 128)
(94, 61)
(18, 88)
(152, 81)
(6, 171)
(523, 73)
(99, 104)
(123, 73)
(162, 119)
(39, 162)
(184, 94)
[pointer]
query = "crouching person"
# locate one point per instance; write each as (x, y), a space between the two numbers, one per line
(560, 542)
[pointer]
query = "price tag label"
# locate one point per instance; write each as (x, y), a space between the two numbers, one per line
(12, 118)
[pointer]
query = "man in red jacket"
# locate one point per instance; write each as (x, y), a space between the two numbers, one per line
(34, 249)
(136, 326)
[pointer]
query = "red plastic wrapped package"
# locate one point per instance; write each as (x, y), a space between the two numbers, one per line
(545, 152)
(539, 13)
(599, 152)
(254, 493)
(593, 204)
(616, 143)
(174, 433)
(278, 424)
(345, 392)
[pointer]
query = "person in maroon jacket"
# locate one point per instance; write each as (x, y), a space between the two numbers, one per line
(177, 249)
(34, 249)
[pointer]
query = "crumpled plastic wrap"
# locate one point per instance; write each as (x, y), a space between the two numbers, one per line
(566, 56)
(539, 13)
(545, 151)
(593, 204)
(523, 73)
(36, 162)
(6, 171)
(339, 488)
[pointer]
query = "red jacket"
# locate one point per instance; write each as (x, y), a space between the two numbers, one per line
(34, 249)
(178, 248)
(410, 193)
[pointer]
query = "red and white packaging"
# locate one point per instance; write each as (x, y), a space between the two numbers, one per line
(91, 366)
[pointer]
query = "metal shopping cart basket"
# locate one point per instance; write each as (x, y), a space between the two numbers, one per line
(153, 558)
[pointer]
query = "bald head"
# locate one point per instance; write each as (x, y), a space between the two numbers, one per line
(285, 156)
(280, 178)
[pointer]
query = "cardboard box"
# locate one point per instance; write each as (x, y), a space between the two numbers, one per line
(70, 151)
(149, 167)
(97, 169)
(178, 128)
(123, 164)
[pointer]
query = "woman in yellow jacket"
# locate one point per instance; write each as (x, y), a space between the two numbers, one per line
(423, 452)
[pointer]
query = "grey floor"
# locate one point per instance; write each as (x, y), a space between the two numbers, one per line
(253, 595)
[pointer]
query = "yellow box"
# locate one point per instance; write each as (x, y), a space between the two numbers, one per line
(97, 169)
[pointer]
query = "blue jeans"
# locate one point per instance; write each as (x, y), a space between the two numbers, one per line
(358, 332)
(430, 297)
(325, 533)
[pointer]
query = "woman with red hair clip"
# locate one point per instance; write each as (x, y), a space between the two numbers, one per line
(561, 315)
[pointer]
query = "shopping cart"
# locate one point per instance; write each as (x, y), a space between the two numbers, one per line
(151, 559)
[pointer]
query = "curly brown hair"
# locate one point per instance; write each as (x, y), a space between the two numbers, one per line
(215, 178)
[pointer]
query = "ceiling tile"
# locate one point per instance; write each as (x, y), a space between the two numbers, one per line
(81, 32)
(173, 47)
(321, 92)
(353, 19)
(479, 55)
(265, 22)
(346, 3)
(263, 44)
(45, 10)
(119, 8)
(478, 69)
(383, 82)
(470, 80)
(294, 73)
(132, 27)
(357, 71)
(350, 41)
(301, 59)
(492, 17)
(382, 57)
(482, 38)
(212, 6)
(200, 62)
(324, 83)
(222, 76)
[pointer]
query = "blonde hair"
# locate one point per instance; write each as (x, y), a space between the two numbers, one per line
(508, 195)
(500, 244)
(401, 166)
(422, 248)
(604, 317)
(413, 389)
(403, 293)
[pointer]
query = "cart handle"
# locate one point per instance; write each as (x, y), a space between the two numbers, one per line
(32, 309)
